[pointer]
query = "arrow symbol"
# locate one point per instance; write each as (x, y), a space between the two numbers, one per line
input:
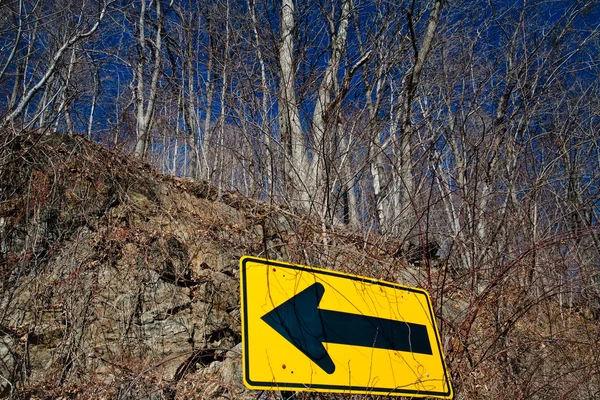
(302, 323)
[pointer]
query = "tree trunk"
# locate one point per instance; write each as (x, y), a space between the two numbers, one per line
(289, 118)
(145, 109)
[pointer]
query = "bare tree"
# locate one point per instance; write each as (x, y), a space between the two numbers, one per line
(145, 101)
(82, 28)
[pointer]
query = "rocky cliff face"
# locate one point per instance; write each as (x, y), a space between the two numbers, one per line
(118, 281)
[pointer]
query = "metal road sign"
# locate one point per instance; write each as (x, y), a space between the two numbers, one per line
(306, 328)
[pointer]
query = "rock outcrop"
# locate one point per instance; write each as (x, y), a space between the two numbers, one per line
(118, 280)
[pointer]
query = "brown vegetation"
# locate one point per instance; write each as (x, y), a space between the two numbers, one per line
(119, 282)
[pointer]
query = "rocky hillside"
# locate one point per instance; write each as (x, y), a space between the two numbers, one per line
(119, 282)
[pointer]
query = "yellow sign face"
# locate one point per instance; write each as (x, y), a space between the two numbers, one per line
(306, 328)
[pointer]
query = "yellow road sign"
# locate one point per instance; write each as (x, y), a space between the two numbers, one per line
(307, 328)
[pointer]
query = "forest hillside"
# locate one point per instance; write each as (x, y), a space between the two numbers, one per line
(119, 282)
(146, 145)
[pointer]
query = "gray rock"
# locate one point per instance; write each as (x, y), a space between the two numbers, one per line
(231, 370)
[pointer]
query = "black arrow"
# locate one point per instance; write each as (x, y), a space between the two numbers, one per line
(307, 327)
